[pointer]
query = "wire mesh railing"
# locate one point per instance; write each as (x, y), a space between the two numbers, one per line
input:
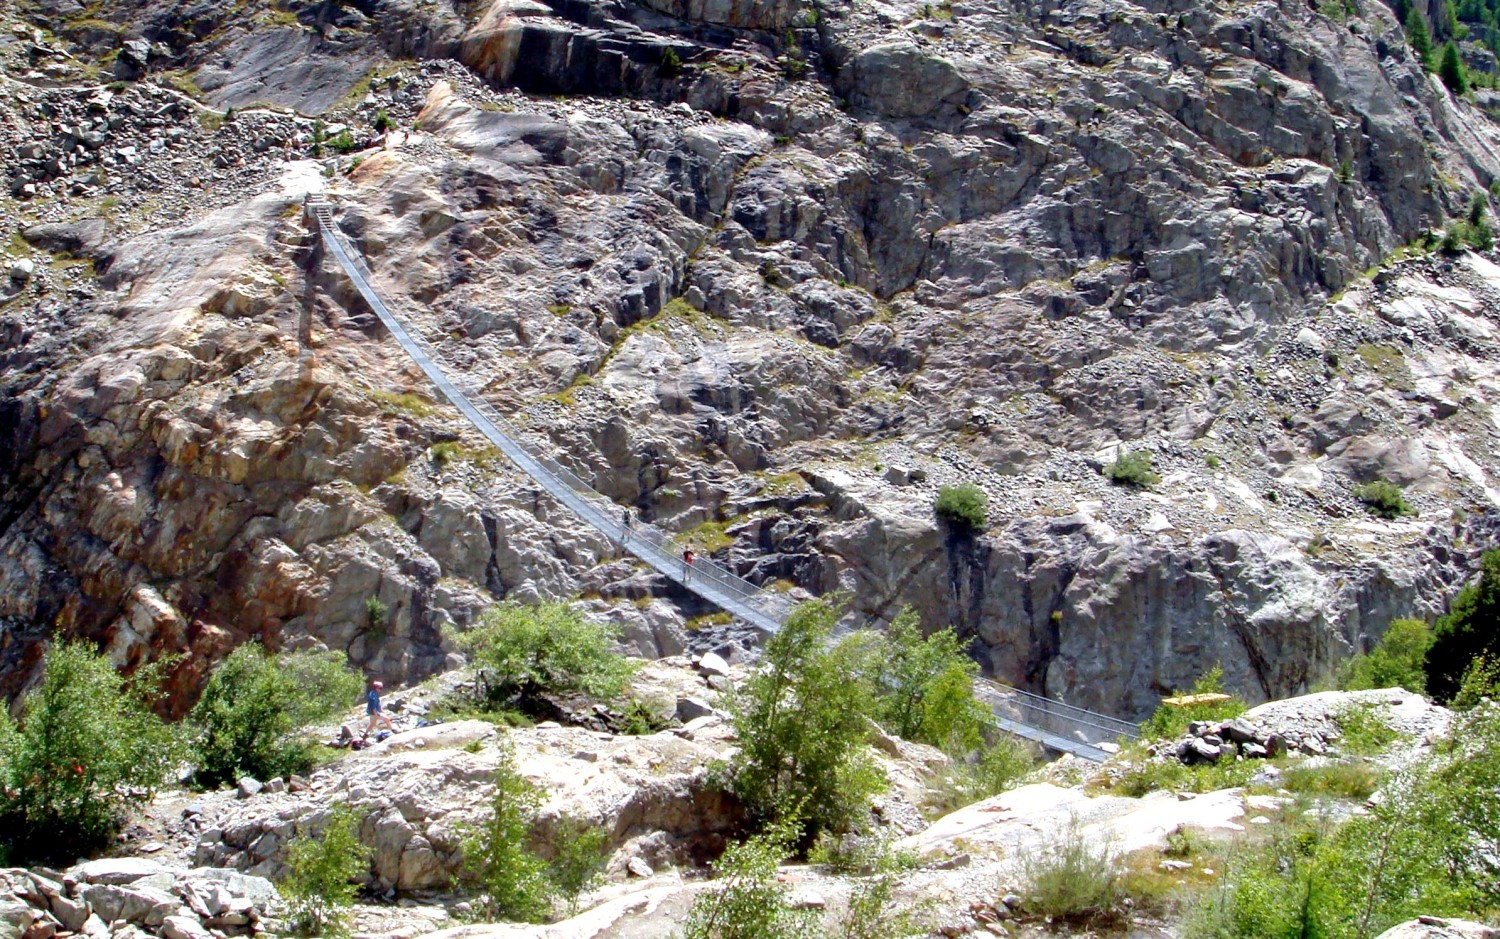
(1054, 724)
(759, 607)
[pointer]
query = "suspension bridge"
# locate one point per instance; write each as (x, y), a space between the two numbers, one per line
(1052, 724)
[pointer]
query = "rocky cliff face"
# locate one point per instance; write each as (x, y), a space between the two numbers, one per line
(768, 272)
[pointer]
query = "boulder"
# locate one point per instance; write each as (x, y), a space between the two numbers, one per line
(689, 709)
(134, 904)
(72, 914)
(117, 872)
(899, 79)
(16, 916)
(183, 927)
(248, 787)
(713, 664)
(1432, 927)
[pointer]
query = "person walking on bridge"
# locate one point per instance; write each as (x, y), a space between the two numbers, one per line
(687, 563)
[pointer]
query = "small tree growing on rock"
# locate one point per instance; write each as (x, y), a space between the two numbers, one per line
(924, 686)
(1397, 661)
(254, 706)
(1469, 631)
(1451, 70)
(964, 506)
(1132, 469)
(496, 853)
(86, 749)
(1384, 499)
(524, 653)
(749, 904)
(1419, 38)
(323, 875)
(803, 726)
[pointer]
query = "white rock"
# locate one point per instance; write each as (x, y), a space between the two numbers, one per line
(183, 927)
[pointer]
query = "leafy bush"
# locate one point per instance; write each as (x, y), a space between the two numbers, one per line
(578, 858)
(989, 771)
(924, 687)
(1397, 661)
(496, 853)
(1074, 881)
(1171, 721)
(254, 706)
(1132, 469)
(526, 652)
(1481, 680)
(750, 904)
(323, 871)
(383, 122)
(343, 142)
(376, 612)
(1467, 632)
(964, 506)
(1384, 499)
(1362, 731)
(803, 722)
(86, 749)
(873, 867)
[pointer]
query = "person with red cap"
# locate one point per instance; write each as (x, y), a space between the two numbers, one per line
(372, 708)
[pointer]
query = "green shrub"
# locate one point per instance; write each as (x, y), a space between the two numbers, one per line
(1481, 680)
(444, 453)
(383, 122)
(86, 749)
(1384, 499)
(924, 687)
(1397, 661)
(989, 771)
(1345, 779)
(671, 62)
(343, 142)
(250, 718)
(964, 506)
(1146, 776)
(803, 722)
(376, 613)
(873, 868)
(496, 854)
(1451, 70)
(524, 653)
(1362, 732)
(1075, 881)
(1170, 721)
(323, 871)
(578, 858)
(1467, 632)
(750, 904)
(1132, 469)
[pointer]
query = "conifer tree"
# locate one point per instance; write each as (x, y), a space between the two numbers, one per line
(1451, 70)
(1419, 38)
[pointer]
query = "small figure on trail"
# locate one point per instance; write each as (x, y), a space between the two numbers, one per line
(372, 708)
(627, 521)
(687, 562)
